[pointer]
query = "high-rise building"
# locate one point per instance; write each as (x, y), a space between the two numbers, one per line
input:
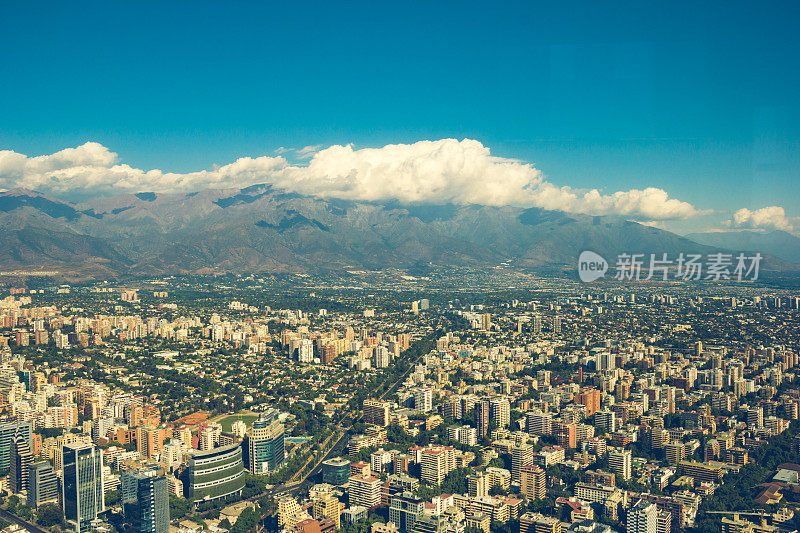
(605, 419)
(423, 399)
(605, 361)
(482, 415)
(305, 351)
(377, 412)
(500, 412)
(150, 440)
(145, 500)
(620, 462)
(405, 510)
(7, 432)
(642, 518)
(533, 482)
(591, 399)
(539, 423)
(437, 462)
(265, 444)
(566, 434)
(537, 323)
(478, 485)
(82, 485)
(21, 459)
(365, 491)
(382, 357)
(42, 484)
(521, 457)
(675, 451)
(214, 475)
(335, 471)
(556, 324)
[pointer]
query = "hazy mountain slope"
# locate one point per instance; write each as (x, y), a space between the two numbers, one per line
(263, 229)
(778, 243)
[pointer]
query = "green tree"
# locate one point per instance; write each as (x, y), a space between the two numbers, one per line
(178, 507)
(49, 515)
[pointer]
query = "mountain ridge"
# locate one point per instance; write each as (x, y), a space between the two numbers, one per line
(264, 229)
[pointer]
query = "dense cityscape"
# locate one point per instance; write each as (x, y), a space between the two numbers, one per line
(229, 403)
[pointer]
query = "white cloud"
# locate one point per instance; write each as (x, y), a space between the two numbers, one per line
(441, 171)
(308, 151)
(772, 217)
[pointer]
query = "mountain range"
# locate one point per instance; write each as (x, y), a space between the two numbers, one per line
(263, 229)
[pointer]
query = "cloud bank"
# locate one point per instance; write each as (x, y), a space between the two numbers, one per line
(442, 171)
(772, 217)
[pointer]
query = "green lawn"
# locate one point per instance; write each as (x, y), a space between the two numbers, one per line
(229, 420)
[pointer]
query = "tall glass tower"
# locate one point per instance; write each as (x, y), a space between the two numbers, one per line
(82, 485)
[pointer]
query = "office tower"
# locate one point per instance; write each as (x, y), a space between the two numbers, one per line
(265, 444)
(423, 399)
(521, 456)
(405, 510)
(620, 462)
(82, 485)
(500, 412)
(145, 500)
(21, 459)
(335, 471)
(214, 474)
(376, 412)
(642, 518)
(42, 484)
(7, 433)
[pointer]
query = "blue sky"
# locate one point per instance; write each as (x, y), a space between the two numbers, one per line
(696, 98)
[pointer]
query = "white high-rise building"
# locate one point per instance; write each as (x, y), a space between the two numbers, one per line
(605, 419)
(606, 361)
(423, 399)
(382, 357)
(305, 351)
(642, 518)
(500, 412)
(620, 462)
